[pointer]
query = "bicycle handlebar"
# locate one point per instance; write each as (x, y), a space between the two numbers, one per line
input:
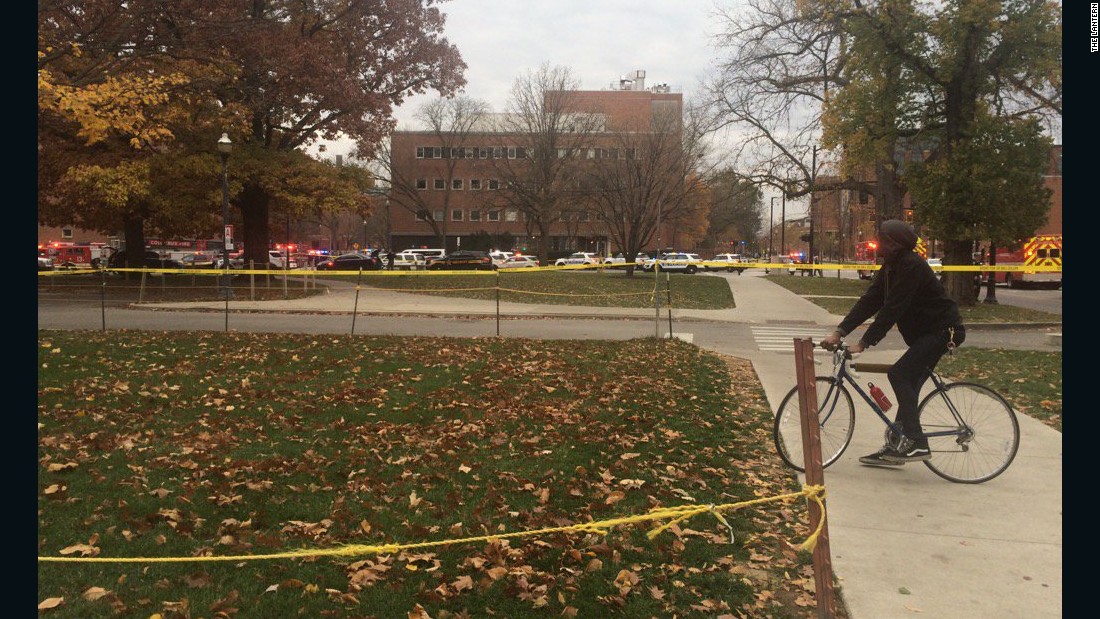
(841, 347)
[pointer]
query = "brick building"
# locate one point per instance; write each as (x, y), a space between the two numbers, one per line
(459, 185)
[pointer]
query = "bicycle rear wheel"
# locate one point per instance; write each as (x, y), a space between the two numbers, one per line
(979, 449)
(836, 418)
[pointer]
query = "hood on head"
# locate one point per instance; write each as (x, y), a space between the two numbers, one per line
(896, 235)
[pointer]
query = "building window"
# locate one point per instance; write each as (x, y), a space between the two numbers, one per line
(438, 216)
(475, 215)
(498, 152)
(494, 215)
(582, 216)
(440, 184)
(511, 152)
(421, 183)
(419, 152)
(483, 153)
(437, 152)
(510, 215)
(475, 184)
(66, 233)
(422, 215)
(494, 184)
(456, 214)
(456, 183)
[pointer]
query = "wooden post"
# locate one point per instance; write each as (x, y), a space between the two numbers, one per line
(815, 475)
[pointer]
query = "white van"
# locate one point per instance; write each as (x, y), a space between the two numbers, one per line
(427, 254)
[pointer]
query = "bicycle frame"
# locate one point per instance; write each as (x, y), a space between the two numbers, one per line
(846, 375)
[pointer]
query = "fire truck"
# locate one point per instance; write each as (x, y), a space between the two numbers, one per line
(74, 255)
(866, 253)
(1044, 250)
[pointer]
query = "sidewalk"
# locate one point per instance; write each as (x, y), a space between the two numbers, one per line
(905, 543)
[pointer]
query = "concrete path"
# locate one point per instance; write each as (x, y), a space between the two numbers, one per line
(905, 542)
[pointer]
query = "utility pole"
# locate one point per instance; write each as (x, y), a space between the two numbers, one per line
(813, 182)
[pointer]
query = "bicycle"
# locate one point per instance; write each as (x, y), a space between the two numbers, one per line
(972, 431)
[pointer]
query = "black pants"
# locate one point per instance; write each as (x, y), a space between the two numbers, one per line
(908, 374)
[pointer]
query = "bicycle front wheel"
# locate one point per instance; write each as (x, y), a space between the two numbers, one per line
(836, 418)
(972, 432)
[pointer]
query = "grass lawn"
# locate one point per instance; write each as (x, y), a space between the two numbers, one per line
(166, 444)
(177, 286)
(838, 295)
(1030, 380)
(599, 288)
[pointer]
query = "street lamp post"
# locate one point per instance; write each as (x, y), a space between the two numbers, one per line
(771, 229)
(783, 226)
(225, 147)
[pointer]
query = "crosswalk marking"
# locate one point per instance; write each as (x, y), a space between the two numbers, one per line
(781, 338)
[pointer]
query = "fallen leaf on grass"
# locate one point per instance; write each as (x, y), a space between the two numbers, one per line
(49, 603)
(94, 593)
(56, 467)
(84, 549)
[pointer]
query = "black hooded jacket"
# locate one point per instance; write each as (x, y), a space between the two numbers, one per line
(905, 292)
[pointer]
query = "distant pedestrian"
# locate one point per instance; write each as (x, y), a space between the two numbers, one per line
(389, 259)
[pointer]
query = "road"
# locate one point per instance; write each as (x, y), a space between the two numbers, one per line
(733, 333)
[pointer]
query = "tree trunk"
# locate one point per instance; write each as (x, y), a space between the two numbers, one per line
(254, 203)
(544, 242)
(991, 283)
(960, 284)
(133, 230)
(888, 193)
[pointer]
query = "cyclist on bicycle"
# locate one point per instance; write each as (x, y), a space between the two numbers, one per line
(905, 292)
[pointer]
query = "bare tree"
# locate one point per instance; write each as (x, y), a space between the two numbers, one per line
(778, 60)
(450, 122)
(648, 176)
(545, 132)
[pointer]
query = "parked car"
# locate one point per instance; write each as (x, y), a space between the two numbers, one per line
(236, 260)
(198, 261)
(408, 261)
(463, 261)
(519, 262)
(620, 259)
(684, 263)
(150, 260)
(350, 262)
(278, 258)
(499, 256)
(45, 264)
(728, 261)
(580, 257)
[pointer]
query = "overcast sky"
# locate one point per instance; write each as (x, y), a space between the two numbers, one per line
(600, 40)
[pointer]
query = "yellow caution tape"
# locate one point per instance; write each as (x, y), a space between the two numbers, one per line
(676, 514)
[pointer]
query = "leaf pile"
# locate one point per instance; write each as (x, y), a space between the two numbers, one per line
(199, 444)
